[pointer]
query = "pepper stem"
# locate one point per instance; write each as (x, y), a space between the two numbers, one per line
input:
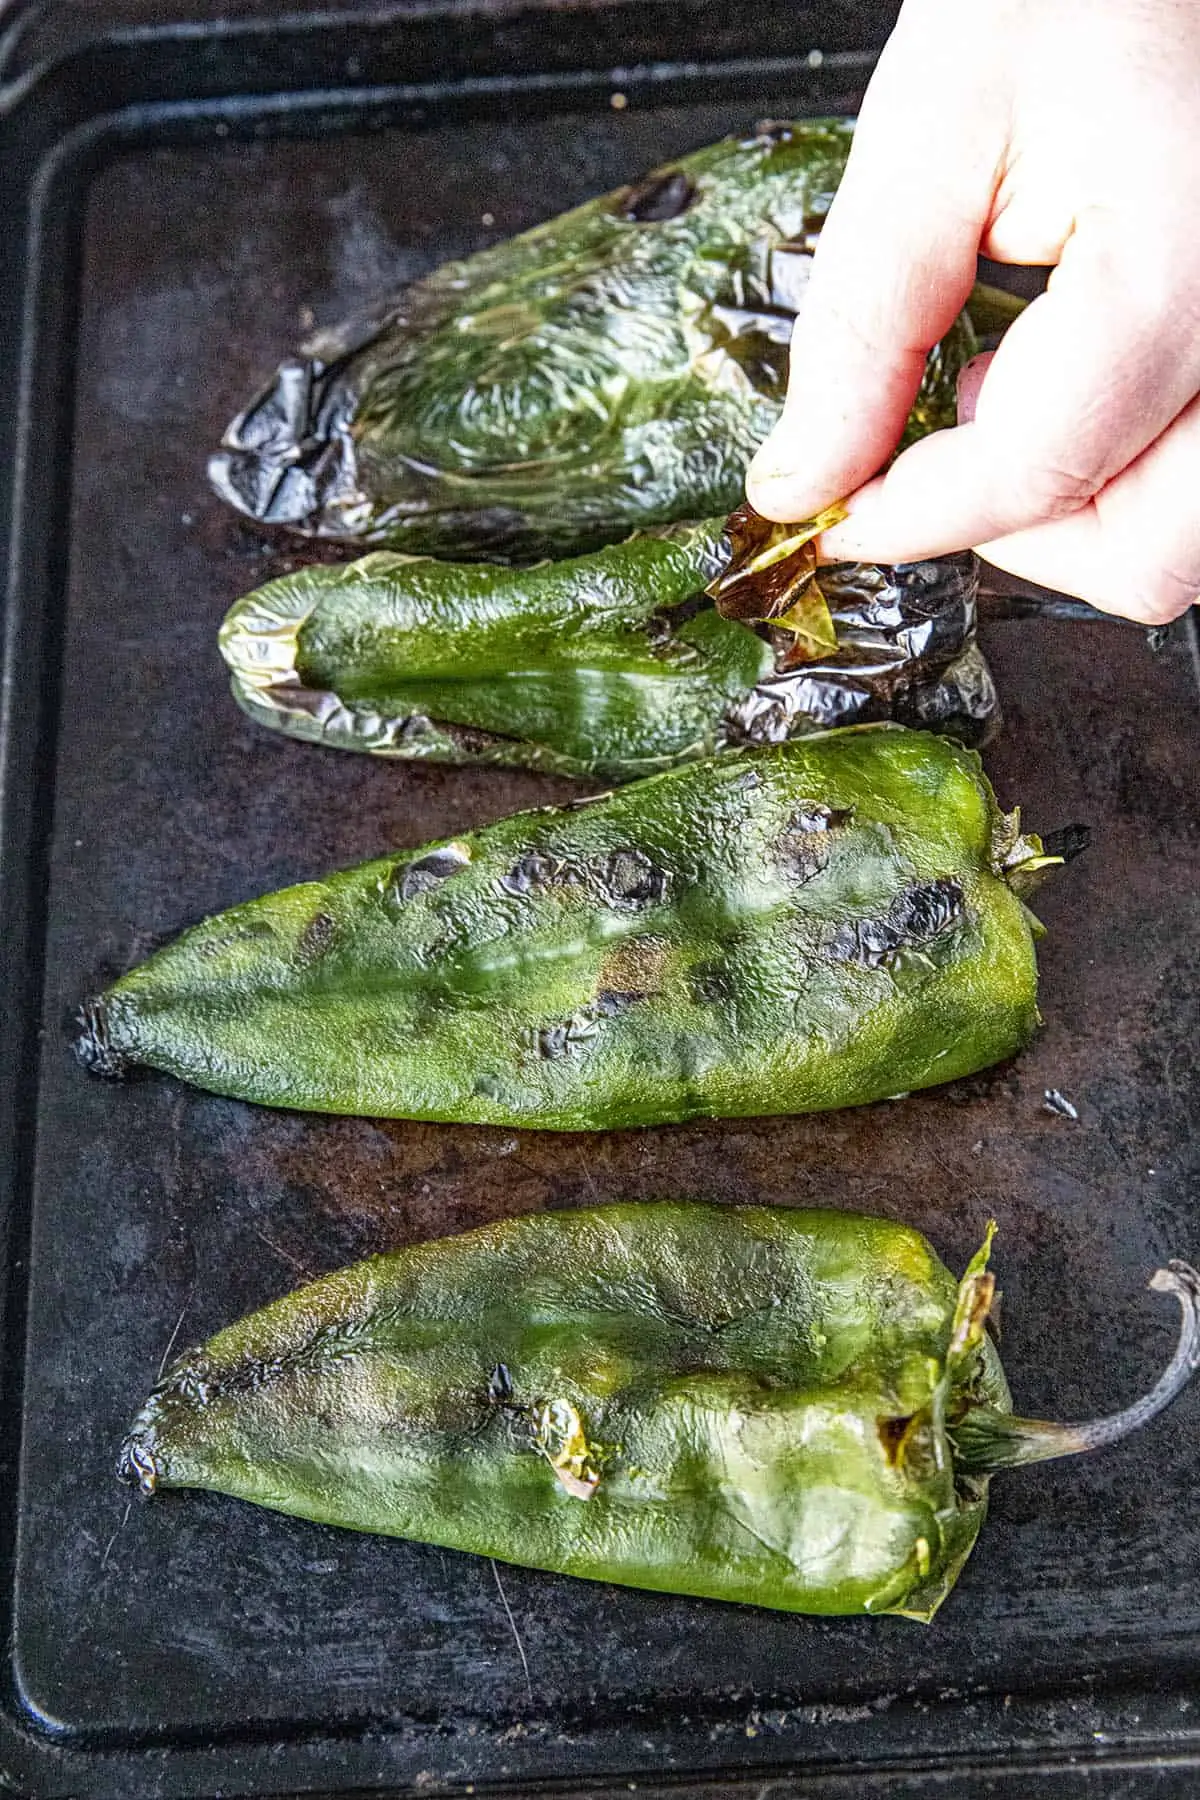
(986, 1440)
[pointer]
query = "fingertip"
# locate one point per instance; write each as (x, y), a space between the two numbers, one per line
(779, 499)
(778, 486)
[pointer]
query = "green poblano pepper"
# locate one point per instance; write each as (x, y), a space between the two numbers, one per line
(613, 368)
(612, 664)
(796, 1409)
(785, 929)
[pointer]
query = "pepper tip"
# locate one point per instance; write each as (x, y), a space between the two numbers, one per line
(93, 1045)
(136, 1465)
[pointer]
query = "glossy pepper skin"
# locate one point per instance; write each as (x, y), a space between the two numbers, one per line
(614, 664)
(611, 369)
(687, 1398)
(795, 1409)
(785, 929)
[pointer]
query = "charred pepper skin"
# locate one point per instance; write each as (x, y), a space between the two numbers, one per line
(613, 368)
(745, 1405)
(793, 1409)
(786, 929)
(614, 664)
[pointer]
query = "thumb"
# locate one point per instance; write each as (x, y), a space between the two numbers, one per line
(894, 266)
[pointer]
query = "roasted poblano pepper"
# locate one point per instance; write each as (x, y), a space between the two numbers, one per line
(613, 368)
(784, 929)
(613, 664)
(793, 1409)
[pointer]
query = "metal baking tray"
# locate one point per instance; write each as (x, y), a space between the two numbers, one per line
(185, 190)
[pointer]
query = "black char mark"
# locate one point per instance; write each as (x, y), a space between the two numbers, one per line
(813, 815)
(630, 877)
(290, 454)
(316, 938)
(609, 1002)
(136, 1465)
(568, 1035)
(915, 917)
(428, 872)
(804, 846)
(500, 1385)
(627, 877)
(658, 198)
(534, 871)
(556, 1041)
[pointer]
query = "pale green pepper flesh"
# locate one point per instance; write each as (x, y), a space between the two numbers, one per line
(601, 665)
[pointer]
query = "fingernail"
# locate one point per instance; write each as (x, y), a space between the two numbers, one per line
(970, 381)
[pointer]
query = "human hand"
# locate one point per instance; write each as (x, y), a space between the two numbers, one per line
(1060, 132)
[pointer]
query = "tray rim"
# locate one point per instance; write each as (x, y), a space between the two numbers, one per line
(1093, 1735)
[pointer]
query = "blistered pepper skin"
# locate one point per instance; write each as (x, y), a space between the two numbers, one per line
(787, 929)
(614, 664)
(745, 1405)
(613, 368)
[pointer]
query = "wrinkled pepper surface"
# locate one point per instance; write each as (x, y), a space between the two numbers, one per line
(784, 929)
(612, 664)
(613, 368)
(796, 1409)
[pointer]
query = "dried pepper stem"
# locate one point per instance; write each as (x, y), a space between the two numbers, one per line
(986, 1440)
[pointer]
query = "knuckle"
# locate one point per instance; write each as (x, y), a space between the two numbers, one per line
(1046, 490)
(862, 324)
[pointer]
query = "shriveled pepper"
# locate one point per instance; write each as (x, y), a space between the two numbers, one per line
(613, 664)
(796, 1409)
(613, 368)
(784, 929)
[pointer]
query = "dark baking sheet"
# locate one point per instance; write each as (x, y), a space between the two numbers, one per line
(176, 245)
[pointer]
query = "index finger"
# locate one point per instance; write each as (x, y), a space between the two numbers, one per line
(894, 266)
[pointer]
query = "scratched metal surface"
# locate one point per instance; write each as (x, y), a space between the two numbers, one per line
(160, 1213)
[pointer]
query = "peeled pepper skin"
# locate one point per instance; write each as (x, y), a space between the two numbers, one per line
(787, 929)
(757, 1398)
(613, 368)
